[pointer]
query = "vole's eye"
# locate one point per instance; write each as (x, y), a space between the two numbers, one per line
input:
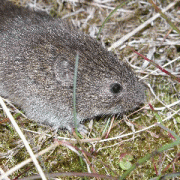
(115, 88)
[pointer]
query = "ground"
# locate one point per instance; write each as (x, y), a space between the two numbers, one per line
(111, 147)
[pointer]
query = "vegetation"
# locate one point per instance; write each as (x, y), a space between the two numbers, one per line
(142, 145)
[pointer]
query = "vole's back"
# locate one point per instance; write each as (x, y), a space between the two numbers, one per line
(37, 57)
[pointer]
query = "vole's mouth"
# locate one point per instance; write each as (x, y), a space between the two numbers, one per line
(124, 110)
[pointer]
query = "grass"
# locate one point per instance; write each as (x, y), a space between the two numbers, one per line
(137, 134)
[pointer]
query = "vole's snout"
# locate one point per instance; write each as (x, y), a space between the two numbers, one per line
(140, 100)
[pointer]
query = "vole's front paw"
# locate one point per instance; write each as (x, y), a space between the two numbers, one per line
(80, 127)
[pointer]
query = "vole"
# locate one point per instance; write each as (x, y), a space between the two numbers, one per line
(37, 59)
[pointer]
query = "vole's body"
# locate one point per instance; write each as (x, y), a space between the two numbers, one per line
(37, 58)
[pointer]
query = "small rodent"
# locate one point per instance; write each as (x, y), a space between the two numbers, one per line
(37, 59)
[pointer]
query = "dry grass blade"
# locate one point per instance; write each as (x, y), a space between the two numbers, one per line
(165, 17)
(20, 165)
(26, 144)
(121, 5)
(139, 28)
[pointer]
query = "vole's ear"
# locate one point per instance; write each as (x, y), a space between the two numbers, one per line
(63, 71)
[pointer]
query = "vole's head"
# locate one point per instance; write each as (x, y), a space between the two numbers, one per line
(105, 85)
(108, 88)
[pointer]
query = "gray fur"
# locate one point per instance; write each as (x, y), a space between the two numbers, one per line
(37, 58)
